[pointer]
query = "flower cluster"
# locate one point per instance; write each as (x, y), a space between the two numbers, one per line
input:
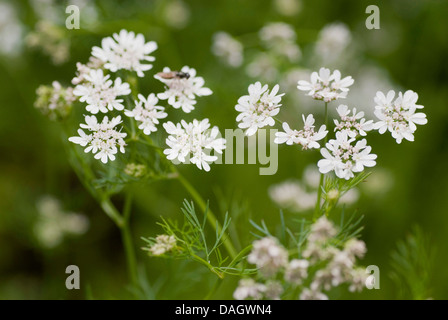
(163, 244)
(333, 40)
(104, 140)
(100, 92)
(147, 113)
(125, 50)
(268, 255)
(181, 92)
(353, 125)
(54, 224)
(280, 38)
(300, 196)
(398, 116)
(258, 108)
(55, 101)
(228, 49)
(83, 70)
(325, 263)
(135, 170)
(307, 137)
(345, 157)
(326, 86)
(193, 141)
(339, 262)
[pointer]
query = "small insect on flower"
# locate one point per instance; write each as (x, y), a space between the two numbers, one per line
(182, 88)
(173, 75)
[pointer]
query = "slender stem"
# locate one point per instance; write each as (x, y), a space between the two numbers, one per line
(321, 181)
(210, 216)
(127, 239)
(112, 212)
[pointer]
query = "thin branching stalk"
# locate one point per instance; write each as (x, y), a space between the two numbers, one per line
(210, 216)
(321, 182)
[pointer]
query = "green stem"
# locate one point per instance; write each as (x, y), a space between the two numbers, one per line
(208, 265)
(210, 216)
(127, 239)
(321, 181)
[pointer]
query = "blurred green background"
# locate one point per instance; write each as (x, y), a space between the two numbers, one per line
(409, 50)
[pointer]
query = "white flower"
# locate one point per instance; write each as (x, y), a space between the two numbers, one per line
(83, 70)
(258, 108)
(262, 67)
(343, 158)
(181, 92)
(326, 86)
(398, 116)
(308, 294)
(321, 230)
(277, 31)
(307, 137)
(354, 125)
(164, 243)
(268, 255)
(292, 195)
(279, 38)
(103, 140)
(125, 50)
(332, 41)
(296, 271)
(147, 112)
(228, 49)
(273, 290)
(54, 223)
(355, 248)
(193, 140)
(249, 289)
(100, 93)
(358, 280)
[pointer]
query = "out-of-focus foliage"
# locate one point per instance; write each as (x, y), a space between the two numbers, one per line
(409, 51)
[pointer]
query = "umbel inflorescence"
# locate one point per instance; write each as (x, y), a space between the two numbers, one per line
(348, 153)
(117, 115)
(100, 86)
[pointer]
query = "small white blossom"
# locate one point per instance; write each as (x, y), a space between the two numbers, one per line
(100, 93)
(279, 38)
(249, 289)
(277, 31)
(164, 243)
(268, 255)
(296, 271)
(307, 137)
(147, 112)
(125, 50)
(194, 140)
(54, 224)
(258, 108)
(262, 67)
(355, 124)
(321, 230)
(273, 290)
(355, 248)
(398, 116)
(182, 92)
(333, 40)
(83, 70)
(228, 49)
(292, 195)
(308, 294)
(103, 139)
(357, 280)
(345, 159)
(326, 86)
